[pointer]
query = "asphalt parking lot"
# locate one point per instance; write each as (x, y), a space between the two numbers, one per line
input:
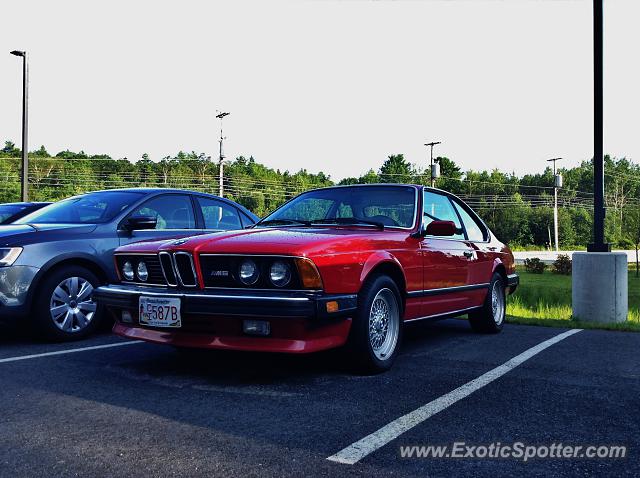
(147, 410)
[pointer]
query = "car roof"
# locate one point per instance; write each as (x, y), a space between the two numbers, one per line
(176, 190)
(29, 203)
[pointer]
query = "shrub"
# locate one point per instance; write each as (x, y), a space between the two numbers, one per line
(562, 265)
(534, 265)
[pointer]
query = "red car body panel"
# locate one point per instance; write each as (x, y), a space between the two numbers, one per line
(345, 257)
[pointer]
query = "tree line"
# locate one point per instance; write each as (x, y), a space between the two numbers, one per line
(519, 209)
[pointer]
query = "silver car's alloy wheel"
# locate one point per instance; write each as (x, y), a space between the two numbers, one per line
(384, 324)
(497, 302)
(72, 307)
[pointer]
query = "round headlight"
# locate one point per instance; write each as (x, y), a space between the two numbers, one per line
(143, 273)
(248, 272)
(280, 273)
(127, 271)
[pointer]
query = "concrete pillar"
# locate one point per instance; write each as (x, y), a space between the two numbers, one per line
(600, 286)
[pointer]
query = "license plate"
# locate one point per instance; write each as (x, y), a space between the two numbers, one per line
(160, 312)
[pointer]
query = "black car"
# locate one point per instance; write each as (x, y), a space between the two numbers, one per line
(52, 259)
(13, 211)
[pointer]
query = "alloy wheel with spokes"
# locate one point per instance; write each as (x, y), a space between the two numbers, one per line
(384, 323)
(63, 305)
(490, 317)
(71, 306)
(376, 329)
(498, 302)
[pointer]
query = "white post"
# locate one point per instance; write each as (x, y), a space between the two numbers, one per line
(221, 194)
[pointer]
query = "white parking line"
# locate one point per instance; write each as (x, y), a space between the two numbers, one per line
(360, 449)
(69, 351)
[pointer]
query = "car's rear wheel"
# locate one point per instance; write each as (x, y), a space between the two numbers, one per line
(490, 318)
(64, 308)
(376, 331)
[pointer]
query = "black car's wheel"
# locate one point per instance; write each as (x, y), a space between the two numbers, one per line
(64, 308)
(376, 331)
(490, 317)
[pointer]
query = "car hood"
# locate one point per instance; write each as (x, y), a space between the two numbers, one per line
(303, 241)
(14, 234)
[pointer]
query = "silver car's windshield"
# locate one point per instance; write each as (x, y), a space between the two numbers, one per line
(391, 206)
(92, 208)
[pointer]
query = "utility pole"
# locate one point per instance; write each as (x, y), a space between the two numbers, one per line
(220, 116)
(24, 175)
(435, 173)
(557, 183)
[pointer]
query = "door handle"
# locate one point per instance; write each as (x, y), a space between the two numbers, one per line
(468, 254)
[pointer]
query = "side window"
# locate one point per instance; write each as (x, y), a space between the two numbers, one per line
(173, 211)
(218, 215)
(439, 207)
(474, 231)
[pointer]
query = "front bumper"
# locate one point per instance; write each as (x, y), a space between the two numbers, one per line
(300, 322)
(15, 282)
(513, 280)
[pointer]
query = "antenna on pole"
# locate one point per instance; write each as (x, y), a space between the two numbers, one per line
(220, 115)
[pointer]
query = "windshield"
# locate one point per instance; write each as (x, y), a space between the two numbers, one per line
(9, 210)
(89, 208)
(390, 206)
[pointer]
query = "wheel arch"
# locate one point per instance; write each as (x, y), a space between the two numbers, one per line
(83, 260)
(499, 267)
(389, 266)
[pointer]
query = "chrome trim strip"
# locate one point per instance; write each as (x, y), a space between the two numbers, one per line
(215, 254)
(115, 290)
(193, 269)
(446, 290)
(172, 268)
(453, 313)
(264, 290)
(147, 284)
(134, 254)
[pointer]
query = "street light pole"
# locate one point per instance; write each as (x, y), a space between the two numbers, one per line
(220, 116)
(433, 176)
(555, 201)
(24, 175)
(598, 244)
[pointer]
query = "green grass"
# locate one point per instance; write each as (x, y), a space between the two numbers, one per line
(545, 299)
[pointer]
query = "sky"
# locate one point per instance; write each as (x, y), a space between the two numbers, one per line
(323, 85)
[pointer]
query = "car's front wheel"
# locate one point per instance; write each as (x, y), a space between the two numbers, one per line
(376, 331)
(490, 317)
(64, 308)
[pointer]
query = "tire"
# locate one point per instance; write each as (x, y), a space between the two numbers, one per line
(372, 348)
(58, 314)
(490, 318)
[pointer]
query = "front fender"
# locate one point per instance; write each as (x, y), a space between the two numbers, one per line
(378, 258)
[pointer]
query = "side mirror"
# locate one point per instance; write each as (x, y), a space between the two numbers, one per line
(441, 228)
(135, 223)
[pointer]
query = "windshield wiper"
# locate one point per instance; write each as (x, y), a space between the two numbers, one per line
(283, 222)
(354, 221)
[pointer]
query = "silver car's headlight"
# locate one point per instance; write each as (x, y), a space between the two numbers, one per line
(8, 255)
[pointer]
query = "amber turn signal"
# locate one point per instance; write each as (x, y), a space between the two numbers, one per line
(309, 274)
(332, 306)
